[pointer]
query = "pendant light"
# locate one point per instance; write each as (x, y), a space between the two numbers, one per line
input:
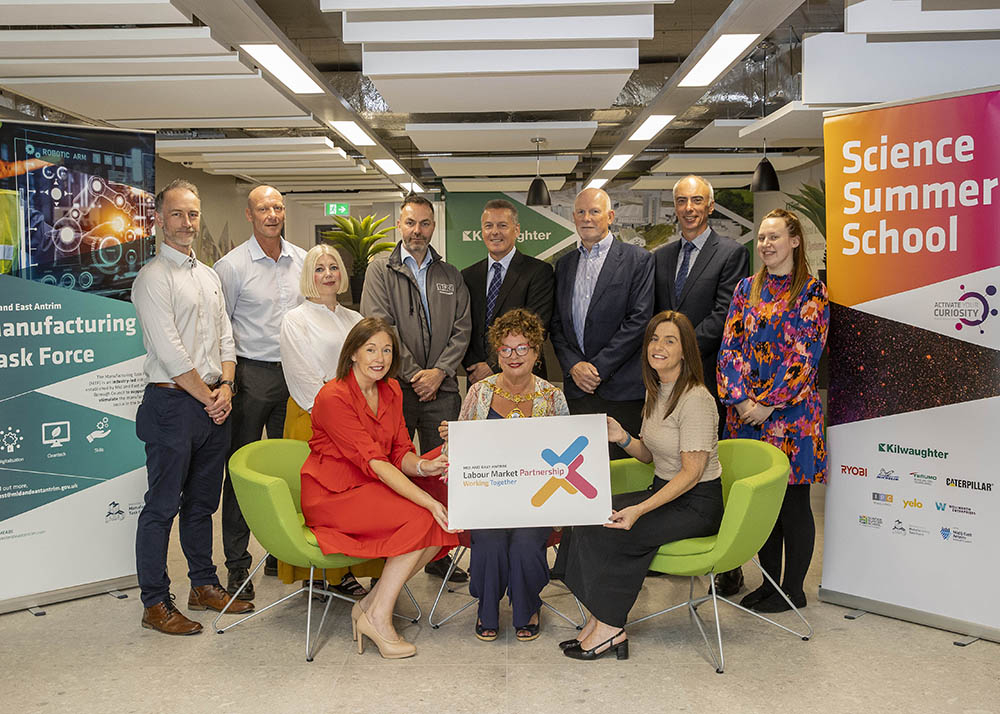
(538, 192)
(765, 178)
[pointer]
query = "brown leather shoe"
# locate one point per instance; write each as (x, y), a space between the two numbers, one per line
(213, 597)
(164, 617)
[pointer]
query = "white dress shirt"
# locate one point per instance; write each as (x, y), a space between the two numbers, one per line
(182, 312)
(259, 291)
(588, 270)
(504, 267)
(311, 338)
(698, 242)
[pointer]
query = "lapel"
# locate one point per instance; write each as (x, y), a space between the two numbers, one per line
(672, 251)
(568, 265)
(705, 256)
(509, 280)
(608, 272)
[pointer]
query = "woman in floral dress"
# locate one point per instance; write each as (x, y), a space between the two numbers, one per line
(774, 335)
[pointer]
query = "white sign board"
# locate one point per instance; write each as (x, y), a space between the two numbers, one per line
(514, 473)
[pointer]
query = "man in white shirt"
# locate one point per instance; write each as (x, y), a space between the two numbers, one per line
(183, 418)
(260, 280)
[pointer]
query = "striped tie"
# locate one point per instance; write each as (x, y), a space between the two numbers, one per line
(493, 292)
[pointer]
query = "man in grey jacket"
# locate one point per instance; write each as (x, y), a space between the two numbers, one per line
(428, 302)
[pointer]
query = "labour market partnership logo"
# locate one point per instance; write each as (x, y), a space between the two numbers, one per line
(563, 472)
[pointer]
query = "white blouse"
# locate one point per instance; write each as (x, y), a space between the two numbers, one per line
(311, 338)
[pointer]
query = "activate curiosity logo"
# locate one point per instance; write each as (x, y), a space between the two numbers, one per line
(977, 318)
(569, 478)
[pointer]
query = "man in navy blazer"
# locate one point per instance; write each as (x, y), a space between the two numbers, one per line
(604, 300)
(697, 275)
(518, 280)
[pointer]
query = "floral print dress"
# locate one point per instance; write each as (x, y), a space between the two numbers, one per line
(769, 354)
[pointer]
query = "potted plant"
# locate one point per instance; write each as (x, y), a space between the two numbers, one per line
(362, 240)
(811, 203)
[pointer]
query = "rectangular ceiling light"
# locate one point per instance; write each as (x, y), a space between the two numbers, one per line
(353, 133)
(719, 56)
(616, 162)
(389, 166)
(277, 62)
(651, 127)
(412, 186)
(597, 183)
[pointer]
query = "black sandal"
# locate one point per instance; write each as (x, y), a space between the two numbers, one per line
(350, 587)
(483, 633)
(532, 630)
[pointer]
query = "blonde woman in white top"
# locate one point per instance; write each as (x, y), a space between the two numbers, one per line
(312, 335)
(606, 564)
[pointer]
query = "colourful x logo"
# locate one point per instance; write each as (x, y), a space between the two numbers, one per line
(573, 482)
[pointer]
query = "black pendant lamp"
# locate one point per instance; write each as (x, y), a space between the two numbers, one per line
(538, 192)
(765, 178)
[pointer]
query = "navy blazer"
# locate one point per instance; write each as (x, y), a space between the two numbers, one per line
(529, 283)
(616, 320)
(708, 291)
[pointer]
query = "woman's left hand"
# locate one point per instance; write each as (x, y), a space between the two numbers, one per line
(625, 518)
(435, 466)
(756, 414)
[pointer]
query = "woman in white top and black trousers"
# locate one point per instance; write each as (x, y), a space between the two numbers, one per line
(606, 564)
(312, 335)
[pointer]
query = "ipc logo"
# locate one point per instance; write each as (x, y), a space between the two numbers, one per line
(569, 478)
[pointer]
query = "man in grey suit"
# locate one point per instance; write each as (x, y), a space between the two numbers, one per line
(697, 275)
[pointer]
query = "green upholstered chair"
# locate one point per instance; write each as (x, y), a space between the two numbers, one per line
(754, 477)
(266, 480)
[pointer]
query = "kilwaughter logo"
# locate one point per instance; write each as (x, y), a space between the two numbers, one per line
(925, 453)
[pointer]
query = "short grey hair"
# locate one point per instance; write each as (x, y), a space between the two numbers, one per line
(696, 177)
(177, 184)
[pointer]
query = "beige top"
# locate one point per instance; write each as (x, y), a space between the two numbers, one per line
(693, 426)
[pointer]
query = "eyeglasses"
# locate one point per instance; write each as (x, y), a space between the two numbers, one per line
(521, 350)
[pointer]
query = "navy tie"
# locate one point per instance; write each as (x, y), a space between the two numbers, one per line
(493, 292)
(682, 274)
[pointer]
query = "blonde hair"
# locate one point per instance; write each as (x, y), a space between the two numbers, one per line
(307, 285)
(800, 270)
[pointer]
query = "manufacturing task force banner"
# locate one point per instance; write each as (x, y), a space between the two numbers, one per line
(558, 475)
(912, 522)
(76, 224)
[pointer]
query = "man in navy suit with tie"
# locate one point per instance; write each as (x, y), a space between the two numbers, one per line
(604, 299)
(697, 275)
(504, 280)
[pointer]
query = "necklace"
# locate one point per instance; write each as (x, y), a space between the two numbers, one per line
(517, 399)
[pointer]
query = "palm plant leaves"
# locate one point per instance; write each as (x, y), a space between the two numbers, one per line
(811, 203)
(362, 239)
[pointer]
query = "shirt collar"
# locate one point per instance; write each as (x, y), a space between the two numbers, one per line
(699, 240)
(504, 261)
(257, 253)
(404, 254)
(178, 258)
(602, 246)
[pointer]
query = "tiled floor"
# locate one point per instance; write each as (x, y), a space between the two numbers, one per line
(91, 655)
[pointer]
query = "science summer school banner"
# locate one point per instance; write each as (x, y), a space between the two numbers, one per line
(913, 504)
(76, 224)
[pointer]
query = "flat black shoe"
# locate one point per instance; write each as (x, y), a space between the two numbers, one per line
(621, 649)
(271, 566)
(761, 593)
(236, 578)
(439, 568)
(566, 644)
(776, 603)
(729, 583)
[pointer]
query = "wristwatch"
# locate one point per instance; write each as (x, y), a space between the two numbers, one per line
(231, 383)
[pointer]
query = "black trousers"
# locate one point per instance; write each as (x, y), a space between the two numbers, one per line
(425, 417)
(260, 401)
(795, 533)
(627, 413)
(605, 567)
(185, 451)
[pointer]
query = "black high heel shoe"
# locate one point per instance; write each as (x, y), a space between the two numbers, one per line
(621, 649)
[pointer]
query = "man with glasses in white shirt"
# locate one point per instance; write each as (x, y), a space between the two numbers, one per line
(184, 415)
(260, 279)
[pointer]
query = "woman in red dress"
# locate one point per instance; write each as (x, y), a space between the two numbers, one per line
(357, 496)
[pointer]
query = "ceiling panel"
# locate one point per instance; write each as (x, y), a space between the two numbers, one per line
(340, 5)
(261, 144)
(795, 124)
(502, 93)
(114, 66)
(303, 121)
(721, 134)
(85, 12)
(666, 183)
(728, 162)
(502, 136)
(554, 183)
(499, 24)
(109, 42)
(501, 165)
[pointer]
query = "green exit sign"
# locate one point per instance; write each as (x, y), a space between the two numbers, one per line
(337, 209)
